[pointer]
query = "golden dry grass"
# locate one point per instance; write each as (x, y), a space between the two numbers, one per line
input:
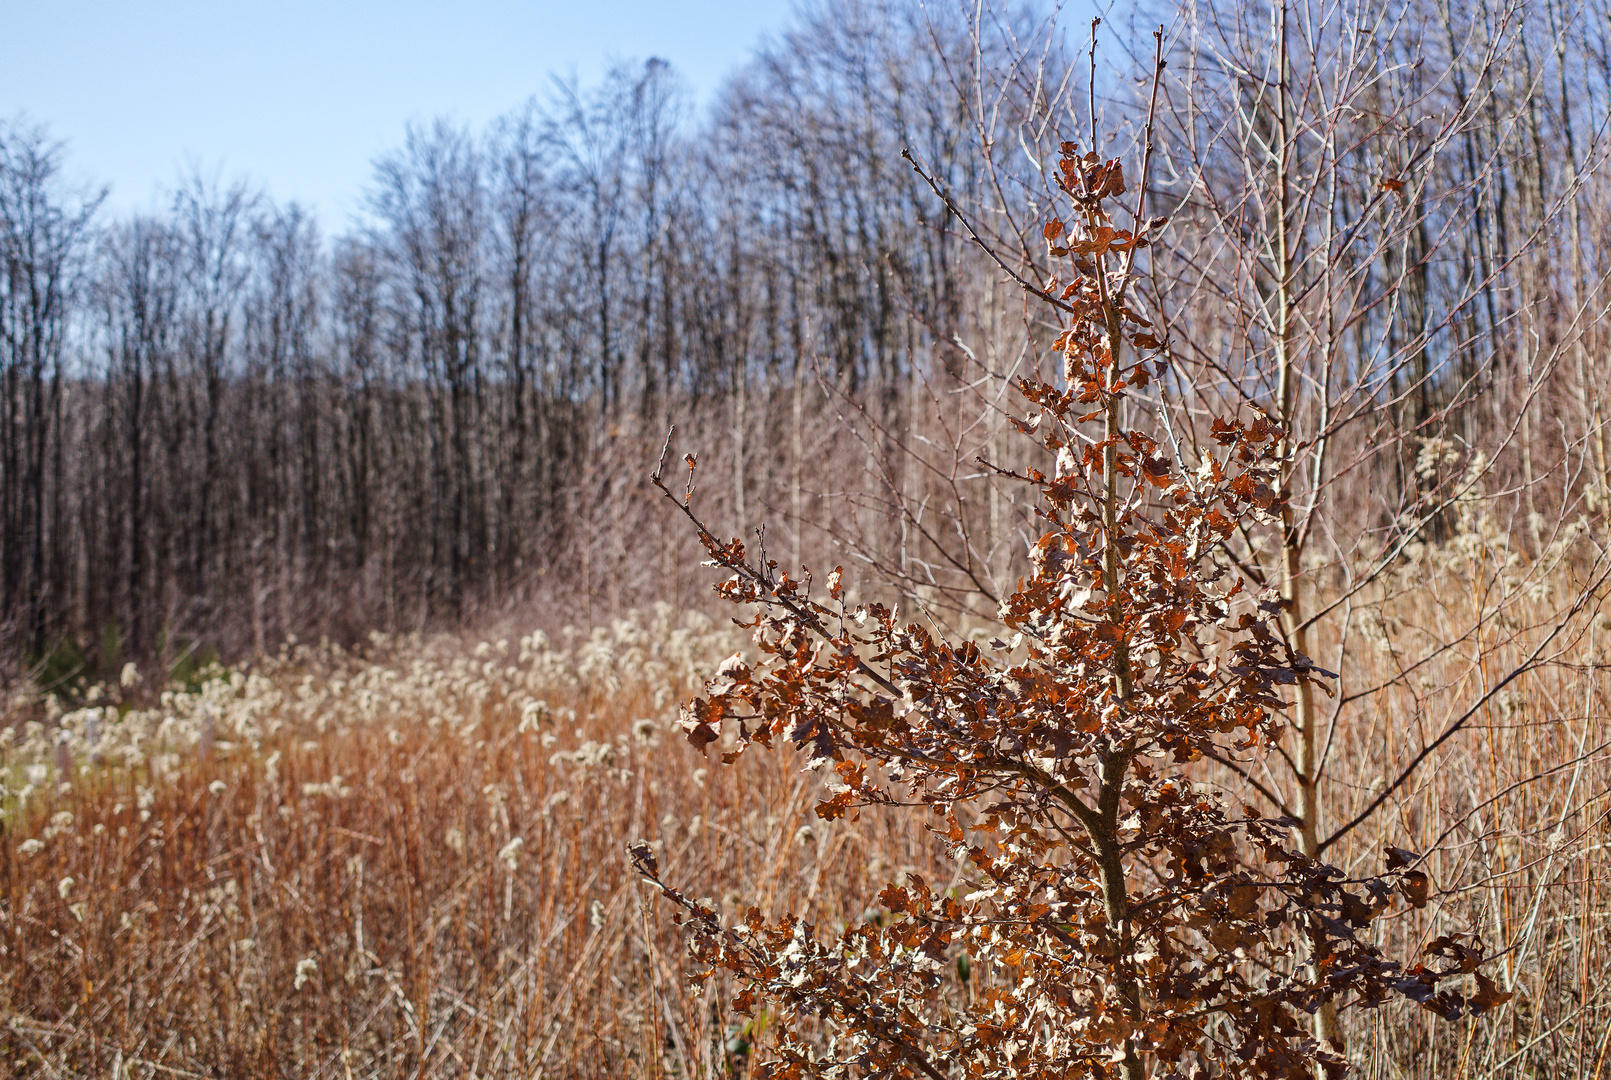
(401, 872)
(1514, 810)
(410, 861)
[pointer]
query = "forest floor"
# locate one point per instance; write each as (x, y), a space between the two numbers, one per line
(409, 860)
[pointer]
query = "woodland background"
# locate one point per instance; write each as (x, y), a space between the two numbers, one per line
(220, 424)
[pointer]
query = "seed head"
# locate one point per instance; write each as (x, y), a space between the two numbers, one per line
(510, 853)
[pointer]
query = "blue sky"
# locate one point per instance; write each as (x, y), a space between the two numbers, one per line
(300, 96)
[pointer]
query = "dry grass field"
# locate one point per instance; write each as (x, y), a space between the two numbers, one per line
(408, 859)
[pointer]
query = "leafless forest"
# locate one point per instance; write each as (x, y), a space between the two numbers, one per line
(225, 429)
(223, 425)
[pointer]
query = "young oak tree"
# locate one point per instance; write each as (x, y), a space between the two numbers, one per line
(1123, 916)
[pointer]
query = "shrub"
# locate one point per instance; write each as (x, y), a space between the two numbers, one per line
(1112, 912)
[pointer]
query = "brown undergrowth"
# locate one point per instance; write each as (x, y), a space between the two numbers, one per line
(410, 861)
(417, 864)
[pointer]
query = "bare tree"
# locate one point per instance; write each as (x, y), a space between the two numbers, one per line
(431, 196)
(215, 234)
(44, 230)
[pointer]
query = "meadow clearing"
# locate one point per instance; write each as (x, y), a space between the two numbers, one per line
(407, 858)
